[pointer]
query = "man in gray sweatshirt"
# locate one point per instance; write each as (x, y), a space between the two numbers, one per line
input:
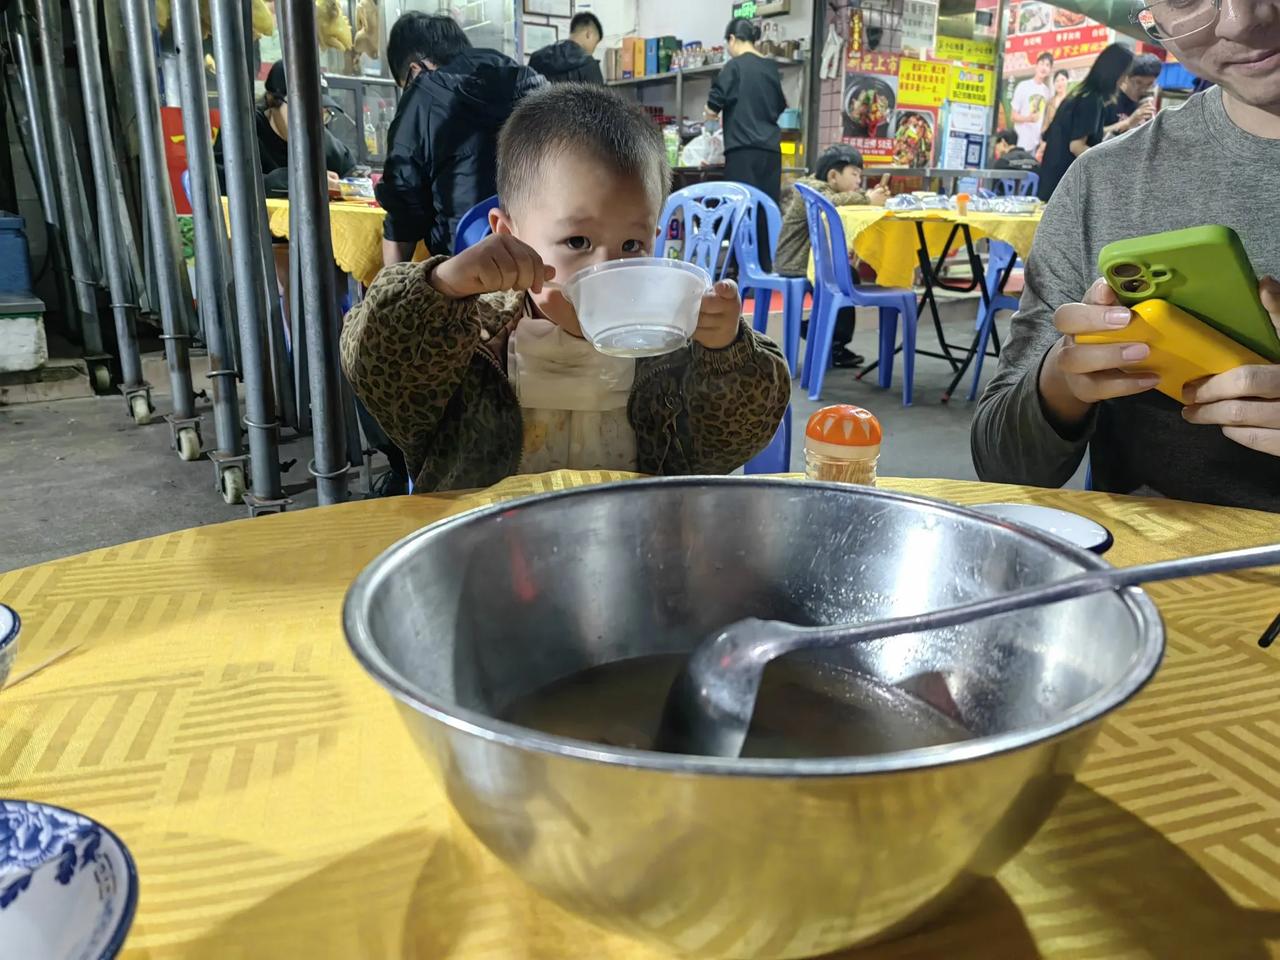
(1216, 160)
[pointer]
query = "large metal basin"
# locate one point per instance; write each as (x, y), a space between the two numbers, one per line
(744, 858)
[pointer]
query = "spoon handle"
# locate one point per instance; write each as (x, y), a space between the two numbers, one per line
(1095, 581)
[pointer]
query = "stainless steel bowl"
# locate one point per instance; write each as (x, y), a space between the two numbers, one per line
(744, 858)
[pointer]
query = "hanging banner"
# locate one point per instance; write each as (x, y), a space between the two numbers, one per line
(968, 51)
(919, 25)
(1037, 28)
(870, 99)
(922, 83)
(972, 85)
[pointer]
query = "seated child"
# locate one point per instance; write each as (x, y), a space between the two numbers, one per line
(839, 179)
(478, 371)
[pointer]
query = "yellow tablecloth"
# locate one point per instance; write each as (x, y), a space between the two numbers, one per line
(214, 718)
(356, 232)
(888, 241)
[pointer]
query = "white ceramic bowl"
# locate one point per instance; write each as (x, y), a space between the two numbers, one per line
(10, 624)
(68, 886)
(641, 307)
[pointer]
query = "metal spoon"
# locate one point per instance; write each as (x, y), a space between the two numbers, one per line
(709, 706)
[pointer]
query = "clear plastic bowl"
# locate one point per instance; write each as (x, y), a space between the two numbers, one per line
(641, 307)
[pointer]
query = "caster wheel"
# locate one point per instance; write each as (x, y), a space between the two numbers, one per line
(140, 407)
(188, 444)
(102, 378)
(232, 484)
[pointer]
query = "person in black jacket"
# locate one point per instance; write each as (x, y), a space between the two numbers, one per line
(441, 155)
(747, 95)
(271, 123)
(573, 60)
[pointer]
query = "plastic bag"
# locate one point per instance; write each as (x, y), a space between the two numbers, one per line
(704, 150)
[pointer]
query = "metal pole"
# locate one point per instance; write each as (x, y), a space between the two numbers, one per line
(309, 197)
(210, 235)
(240, 156)
(36, 136)
(158, 204)
(137, 392)
(49, 30)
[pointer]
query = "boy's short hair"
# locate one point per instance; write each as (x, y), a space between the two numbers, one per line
(586, 119)
(1007, 137)
(1045, 56)
(836, 158)
(1146, 65)
(419, 36)
(581, 21)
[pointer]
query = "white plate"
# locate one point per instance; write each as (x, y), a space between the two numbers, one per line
(1071, 527)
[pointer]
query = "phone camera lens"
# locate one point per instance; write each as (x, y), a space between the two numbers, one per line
(1126, 270)
(1133, 286)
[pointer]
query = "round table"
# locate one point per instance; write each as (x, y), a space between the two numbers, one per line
(888, 241)
(211, 715)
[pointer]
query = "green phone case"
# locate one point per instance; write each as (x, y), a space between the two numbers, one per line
(1204, 271)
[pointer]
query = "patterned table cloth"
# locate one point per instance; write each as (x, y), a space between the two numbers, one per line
(212, 716)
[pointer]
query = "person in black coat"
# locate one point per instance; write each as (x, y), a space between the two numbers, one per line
(573, 60)
(441, 155)
(271, 124)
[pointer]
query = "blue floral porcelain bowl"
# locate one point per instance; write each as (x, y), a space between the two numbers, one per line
(68, 887)
(9, 626)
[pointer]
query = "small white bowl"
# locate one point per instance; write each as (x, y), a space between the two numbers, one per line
(68, 886)
(641, 307)
(10, 624)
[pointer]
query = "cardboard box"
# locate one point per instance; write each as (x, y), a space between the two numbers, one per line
(667, 48)
(628, 59)
(651, 57)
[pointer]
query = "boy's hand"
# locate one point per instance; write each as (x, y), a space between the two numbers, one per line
(498, 262)
(1075, 376)
(1245, 401)
(877, 195)
(720, 316)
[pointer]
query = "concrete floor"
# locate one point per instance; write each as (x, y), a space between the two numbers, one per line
(77, 474)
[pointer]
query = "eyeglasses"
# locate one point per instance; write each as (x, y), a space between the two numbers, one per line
(1175, 19)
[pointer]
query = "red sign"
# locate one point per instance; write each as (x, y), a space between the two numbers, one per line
(1036, 28)
(873, 62)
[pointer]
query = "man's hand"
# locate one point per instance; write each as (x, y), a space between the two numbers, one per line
(1146, 110)
(498, 262)
(720, 316)
(1244, 402)
(1075, 376)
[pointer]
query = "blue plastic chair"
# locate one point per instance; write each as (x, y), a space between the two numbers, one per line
(752, 276)
(1027, 187)
(1002, 258)
(835, 290)
(776, 457)
(710, 213)
(474, 225)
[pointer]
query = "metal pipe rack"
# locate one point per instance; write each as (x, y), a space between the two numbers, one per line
(243, 170)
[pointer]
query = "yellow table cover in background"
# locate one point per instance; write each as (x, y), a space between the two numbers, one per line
(888, 240)
(355, 230)
(213, 716)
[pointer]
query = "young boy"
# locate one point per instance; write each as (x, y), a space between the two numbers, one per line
(477, 370)
(839, 179)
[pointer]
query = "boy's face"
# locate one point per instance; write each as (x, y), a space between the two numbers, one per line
(846, 179)
(1044, 67)
(578, 215)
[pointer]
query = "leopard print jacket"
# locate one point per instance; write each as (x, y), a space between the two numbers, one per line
(427, 369)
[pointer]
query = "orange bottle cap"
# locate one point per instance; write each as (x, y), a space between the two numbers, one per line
(845, 425)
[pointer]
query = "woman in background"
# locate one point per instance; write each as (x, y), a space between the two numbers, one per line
(747, 95)
(1061, 84)
(1078, 125)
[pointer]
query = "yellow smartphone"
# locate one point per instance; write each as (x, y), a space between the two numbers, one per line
(1183, 348)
